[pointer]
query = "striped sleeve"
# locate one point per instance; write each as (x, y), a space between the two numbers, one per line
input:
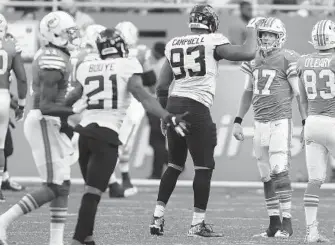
(52, 62)
(291, 58)
(246, 68)
(248, 86)
(291, 70)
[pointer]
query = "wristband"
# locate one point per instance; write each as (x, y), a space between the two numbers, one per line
(22, 102)
(303, 122)
(238, 120)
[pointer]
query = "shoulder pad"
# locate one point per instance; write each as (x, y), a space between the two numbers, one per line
(51, 58)
(291, 55)
(218, 39)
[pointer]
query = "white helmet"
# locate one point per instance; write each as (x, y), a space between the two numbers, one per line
(272, 25)
(90, 36)
(3, 26)
(323, 35)
(59, 28)
(129, 32)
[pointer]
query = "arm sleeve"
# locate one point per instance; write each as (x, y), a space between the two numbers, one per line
(246, 68)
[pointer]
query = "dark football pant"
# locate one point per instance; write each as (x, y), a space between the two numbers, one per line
(201, 140)
(157, 142)
(9, 147)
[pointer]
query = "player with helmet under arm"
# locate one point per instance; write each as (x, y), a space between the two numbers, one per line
(317, 89)
(52, 150)
(192, 63)
(135, 113)
(108, 84)
(10, 54)
(272, 81)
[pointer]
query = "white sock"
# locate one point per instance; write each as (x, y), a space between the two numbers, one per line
(198, 218)
(56, 233)
(124, 167)
(12, 214)
(5, 176)
(112, 179)
(159, 211)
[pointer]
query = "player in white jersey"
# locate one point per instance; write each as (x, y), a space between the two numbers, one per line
(108, 84)
(192, 63)
(135, 112)
(317, 88)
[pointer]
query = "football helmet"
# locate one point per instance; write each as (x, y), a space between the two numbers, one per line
(129, 32)
(203, 16)
(3, 27)
(275, 26)
(323, 35)
(90, 36)
(111, 42)
(59, 28)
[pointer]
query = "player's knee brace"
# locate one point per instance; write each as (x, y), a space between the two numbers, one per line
(201, 187)
(176, 167)
(264, 170)
(92, 190)
(282, 181)
(61, 190)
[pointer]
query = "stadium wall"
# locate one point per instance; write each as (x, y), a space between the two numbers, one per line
(234, 160)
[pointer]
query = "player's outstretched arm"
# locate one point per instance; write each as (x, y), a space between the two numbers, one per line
(244, 52)
(48, 94)
(163, 84)
(303, 100)
(295, 85)
(152, 106)
(20, 74)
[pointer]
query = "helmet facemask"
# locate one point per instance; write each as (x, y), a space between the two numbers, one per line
(269, 40)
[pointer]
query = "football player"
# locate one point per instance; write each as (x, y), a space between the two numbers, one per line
(10, 54)
(317, 88)
(192, 62)
(272, 82)
(135, 112)
(52, 150)
(108, 84)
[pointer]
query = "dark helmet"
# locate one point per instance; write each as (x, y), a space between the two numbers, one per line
(111, 42)
(203, 16)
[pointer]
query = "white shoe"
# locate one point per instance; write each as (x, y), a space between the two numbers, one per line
(282, 234)
(130, 191)
(313, 235)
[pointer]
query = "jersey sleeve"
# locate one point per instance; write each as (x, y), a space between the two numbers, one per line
(219, 39)
(332, 64)
(52, 61)
(131, 66)
(246, 68)
(16, 44)
(168, 50)
(248, 85)
(291, 57)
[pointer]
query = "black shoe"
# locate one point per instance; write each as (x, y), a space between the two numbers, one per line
(157, 226)
(287, 226)
(274, 227)
(11, 185)
(116, 190)
(202, 230)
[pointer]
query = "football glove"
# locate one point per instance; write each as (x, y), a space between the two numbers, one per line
(178, 123)
(255, 22)
(19, 111)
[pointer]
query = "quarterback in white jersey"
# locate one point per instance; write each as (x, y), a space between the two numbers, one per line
(107, 85)
(192, 63)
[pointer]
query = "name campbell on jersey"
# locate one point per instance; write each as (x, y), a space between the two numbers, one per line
(105, 84)
(272, 93)
(194, 65)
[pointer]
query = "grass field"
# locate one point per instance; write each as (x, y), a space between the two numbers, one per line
(238, 212)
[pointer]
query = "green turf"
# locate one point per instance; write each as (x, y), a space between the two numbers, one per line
(238, 213)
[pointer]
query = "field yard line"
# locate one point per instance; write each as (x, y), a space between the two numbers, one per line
(182, 183)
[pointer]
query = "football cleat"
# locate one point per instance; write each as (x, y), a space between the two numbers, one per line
(274, 227)
(116, 190)
(157, 226)
(313, 235)
(202, 230)
(11, 185)
(287, 226)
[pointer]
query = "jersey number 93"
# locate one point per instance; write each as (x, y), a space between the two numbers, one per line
(180, 60)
